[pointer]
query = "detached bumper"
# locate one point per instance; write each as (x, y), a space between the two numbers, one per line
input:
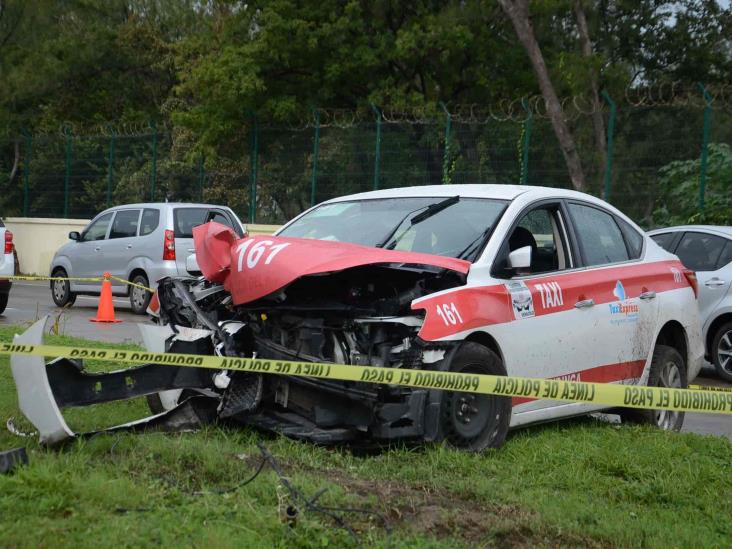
(45, 389)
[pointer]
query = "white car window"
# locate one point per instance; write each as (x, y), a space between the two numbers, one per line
(599, 236)
(700, 251)
(726, 257)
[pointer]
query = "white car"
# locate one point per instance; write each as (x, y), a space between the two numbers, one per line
(488, 279)
(708, 251)
(7, 265)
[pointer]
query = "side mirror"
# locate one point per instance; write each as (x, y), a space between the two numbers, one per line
(520, 259)
(74, 235)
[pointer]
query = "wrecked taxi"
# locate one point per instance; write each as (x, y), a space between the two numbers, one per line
(489, 279)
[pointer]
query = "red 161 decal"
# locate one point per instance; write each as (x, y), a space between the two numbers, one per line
(449, 314)
(257, 252)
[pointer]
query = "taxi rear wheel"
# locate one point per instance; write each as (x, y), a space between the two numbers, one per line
(668, 371)
(475, 421)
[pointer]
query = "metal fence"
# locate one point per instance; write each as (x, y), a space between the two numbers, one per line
(278, 171)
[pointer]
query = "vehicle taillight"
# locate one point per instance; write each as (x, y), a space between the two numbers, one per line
(693, 282)
(8, 242)
(169, 245)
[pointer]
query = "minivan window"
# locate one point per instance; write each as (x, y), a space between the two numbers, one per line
(599, 235)
(219, 217)
(184, 219)
(98, 229)
(149, 221)
(125, 224)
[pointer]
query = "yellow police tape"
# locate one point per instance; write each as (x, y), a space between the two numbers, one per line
(630, 396)
(76, 279)
(711, 388)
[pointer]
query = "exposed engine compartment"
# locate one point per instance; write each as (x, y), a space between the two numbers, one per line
(357, 316)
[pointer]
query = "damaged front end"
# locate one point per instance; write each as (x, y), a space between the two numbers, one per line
(356, 311)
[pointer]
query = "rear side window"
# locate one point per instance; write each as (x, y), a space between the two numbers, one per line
(633, 239)
(184, 219)
(219, 217)
(149, 221)
(665, 240)
(599, 236)
(700, 251)
(726, 257)
(125, 224)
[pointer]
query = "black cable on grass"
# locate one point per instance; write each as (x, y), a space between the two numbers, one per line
(310, 503)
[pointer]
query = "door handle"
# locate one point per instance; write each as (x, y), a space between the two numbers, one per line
(585, 303)
(648, 295)
(129, 246)
(714, 283)
(97, 249)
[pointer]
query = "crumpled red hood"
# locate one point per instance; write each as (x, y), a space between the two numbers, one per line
(256, 266)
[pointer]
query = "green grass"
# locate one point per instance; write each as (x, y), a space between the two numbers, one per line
(579, 483)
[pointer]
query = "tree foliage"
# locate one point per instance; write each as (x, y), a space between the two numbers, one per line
(204, 69)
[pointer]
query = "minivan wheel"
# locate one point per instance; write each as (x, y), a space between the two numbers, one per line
(722, 351)
(139, 297)
(61, 290)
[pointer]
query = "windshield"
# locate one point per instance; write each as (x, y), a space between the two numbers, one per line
(457, 230)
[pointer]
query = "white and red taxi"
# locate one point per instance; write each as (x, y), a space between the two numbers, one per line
(490, 279)
(560, 285)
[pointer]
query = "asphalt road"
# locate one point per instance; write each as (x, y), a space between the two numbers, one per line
(31, 300)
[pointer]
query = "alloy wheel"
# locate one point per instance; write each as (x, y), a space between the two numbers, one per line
(670, 377)
(724, 352)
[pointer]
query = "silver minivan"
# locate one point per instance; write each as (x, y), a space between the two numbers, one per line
(137, 242)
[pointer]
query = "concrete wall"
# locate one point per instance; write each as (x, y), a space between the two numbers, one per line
(37, 239)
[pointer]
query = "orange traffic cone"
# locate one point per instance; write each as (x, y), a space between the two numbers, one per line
(105, 311)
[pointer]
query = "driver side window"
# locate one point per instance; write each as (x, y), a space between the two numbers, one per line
(98, 229)
(542, 231)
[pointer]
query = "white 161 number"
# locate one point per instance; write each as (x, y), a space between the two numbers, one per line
(257, 251)
(449, 314)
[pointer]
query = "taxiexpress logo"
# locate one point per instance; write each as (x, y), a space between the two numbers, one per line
(625, 310)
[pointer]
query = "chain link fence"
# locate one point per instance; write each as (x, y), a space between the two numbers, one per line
(662, 163)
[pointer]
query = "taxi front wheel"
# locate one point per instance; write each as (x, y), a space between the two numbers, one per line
(669, 371)
(475, 421)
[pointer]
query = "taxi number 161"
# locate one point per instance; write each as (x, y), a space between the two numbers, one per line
(449, 314)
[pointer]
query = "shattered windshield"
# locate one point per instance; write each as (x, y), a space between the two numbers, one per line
(455, 230)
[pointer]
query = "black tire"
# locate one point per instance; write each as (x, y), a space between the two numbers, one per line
(471, 421)
(722, 351)
(665, 360)
(139, 298)
(61, 290)
(3, 302)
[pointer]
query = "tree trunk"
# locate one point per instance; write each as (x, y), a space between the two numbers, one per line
(518, 12)
(16, 162)
(598, 123)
